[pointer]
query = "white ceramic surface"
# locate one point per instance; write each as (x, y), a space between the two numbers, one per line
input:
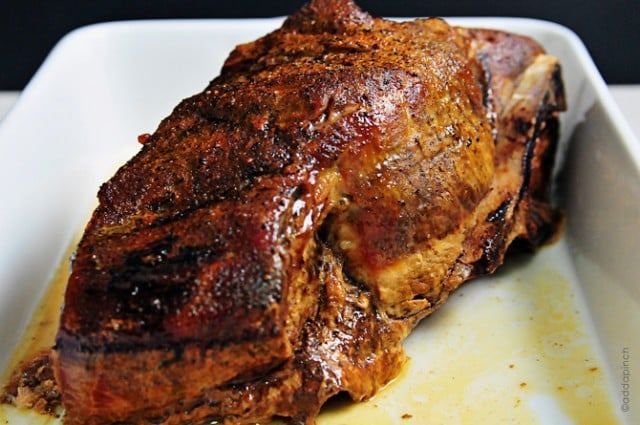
(101, 86)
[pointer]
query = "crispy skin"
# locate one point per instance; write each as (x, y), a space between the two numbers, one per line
(281, 232)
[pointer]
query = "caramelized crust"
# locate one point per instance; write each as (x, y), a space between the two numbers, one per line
(281, 232)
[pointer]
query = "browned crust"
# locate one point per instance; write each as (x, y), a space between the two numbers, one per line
(281, 232)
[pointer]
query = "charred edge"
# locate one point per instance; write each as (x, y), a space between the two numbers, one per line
(485, 82)
(144, 268)
(558, 92)
(498, 215)
(547, 159)
(539, 231)
(545, 109)
(167, 345)
(198, 205)
(544, 226)
(494, 245)
(527, 158)
(491, 254)
(153, 255)
(172, 218)
(158, 420)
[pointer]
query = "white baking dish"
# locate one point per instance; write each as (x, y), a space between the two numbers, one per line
(507, 348)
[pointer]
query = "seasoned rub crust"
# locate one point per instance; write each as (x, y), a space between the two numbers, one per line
(281, 232)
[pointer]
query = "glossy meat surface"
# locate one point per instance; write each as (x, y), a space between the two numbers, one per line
(281, 232)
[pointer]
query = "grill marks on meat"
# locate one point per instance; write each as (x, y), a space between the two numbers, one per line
(282, 232)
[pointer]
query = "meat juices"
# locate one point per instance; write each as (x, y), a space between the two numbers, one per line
(280, 233)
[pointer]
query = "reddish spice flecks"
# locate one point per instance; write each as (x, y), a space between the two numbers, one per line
(143, 138)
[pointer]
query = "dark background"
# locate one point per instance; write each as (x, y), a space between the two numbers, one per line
(29, 29)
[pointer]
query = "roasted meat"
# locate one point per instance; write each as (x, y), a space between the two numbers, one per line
(281, 233)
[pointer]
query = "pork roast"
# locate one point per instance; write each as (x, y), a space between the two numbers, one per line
(281, 232)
